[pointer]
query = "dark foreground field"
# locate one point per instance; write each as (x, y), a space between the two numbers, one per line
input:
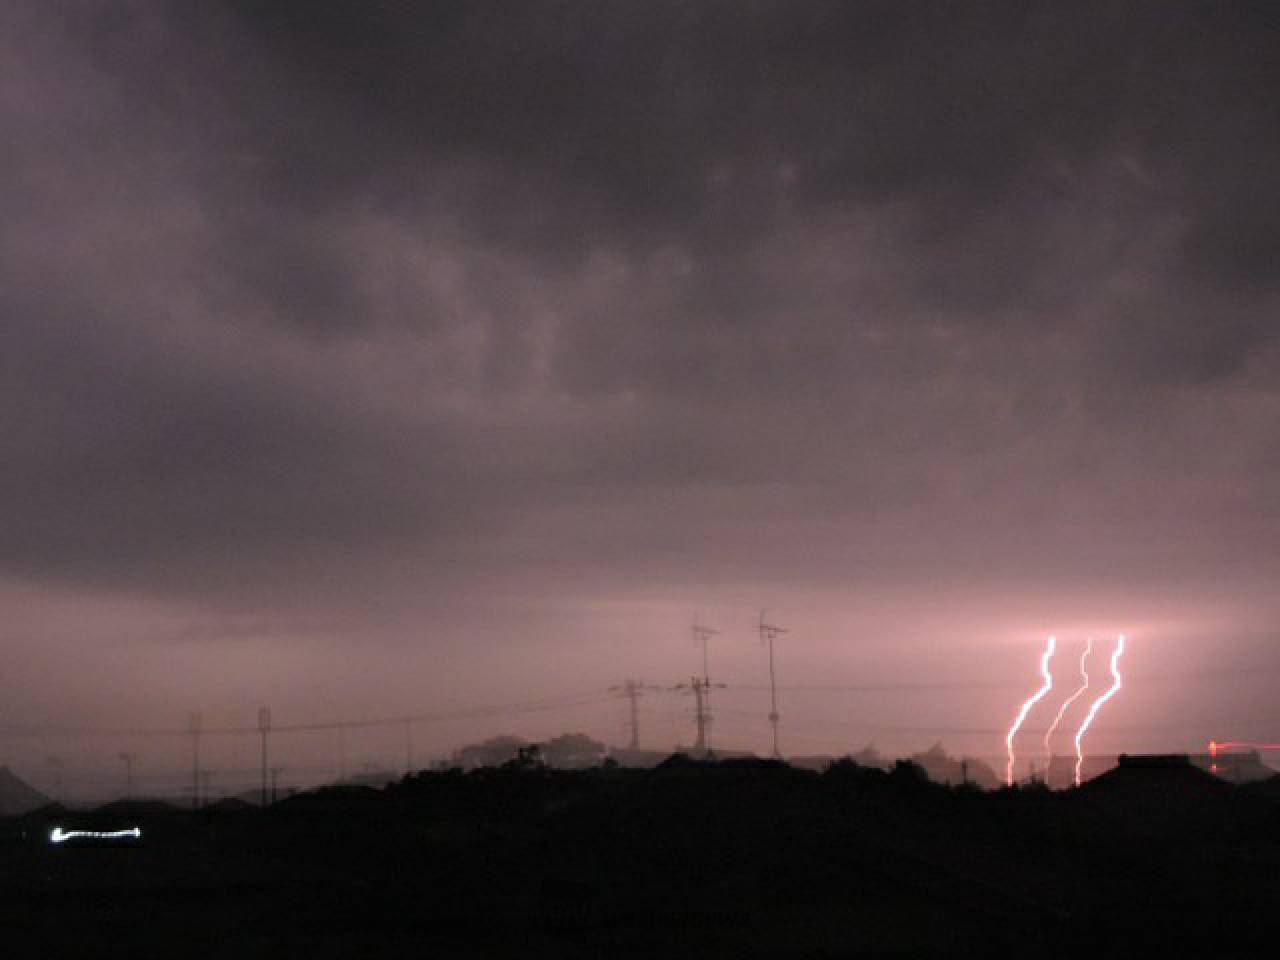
(734, 859)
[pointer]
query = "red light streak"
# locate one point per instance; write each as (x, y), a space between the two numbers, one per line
(1062, 711)
(1215, 746)
(1026, 707)
(1116, 685)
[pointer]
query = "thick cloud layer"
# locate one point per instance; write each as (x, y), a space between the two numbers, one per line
(339, 318)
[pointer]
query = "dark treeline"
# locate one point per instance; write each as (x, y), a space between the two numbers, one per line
(734, 858)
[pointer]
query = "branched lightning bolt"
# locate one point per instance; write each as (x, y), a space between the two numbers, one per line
(1062, 711)
(1116, 684)
(1026, 707)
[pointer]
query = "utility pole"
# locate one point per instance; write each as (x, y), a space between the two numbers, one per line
(195, 724)
(275, 775)
(128, 759)
(769, 633)
(264, 727)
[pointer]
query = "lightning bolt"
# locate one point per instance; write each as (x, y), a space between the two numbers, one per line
(1062, 711)
(1116, 684)
(1026, 707)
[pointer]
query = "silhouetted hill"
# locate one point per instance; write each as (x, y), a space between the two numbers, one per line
(16, 796)
(126, 809)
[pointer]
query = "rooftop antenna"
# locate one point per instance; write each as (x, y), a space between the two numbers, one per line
(769, 633)
(701, 688)
(701, 635)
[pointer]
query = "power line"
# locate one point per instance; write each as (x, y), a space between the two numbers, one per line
(469, 713)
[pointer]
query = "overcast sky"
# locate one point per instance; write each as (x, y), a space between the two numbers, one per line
(372, 358)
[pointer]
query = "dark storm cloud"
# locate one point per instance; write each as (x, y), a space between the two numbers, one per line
(526, 287)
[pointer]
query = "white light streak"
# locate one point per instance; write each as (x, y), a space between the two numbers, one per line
(1062, 711)
(1026, 707)
(1116, 684)
(57, 835)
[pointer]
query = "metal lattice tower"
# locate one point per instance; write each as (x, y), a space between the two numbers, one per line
(769, 633)
(195, 724)
(408, 747)
(264, 728)
(633, 691)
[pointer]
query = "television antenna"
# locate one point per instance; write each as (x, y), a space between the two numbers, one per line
(768, 633)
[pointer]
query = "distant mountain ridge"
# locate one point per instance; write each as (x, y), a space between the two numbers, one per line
(18, 797)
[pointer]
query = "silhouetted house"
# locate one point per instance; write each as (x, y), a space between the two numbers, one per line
(16, 796)
(1234, 767)
(1060, 773)
(1155, 782)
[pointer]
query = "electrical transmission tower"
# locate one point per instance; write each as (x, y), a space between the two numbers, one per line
(769, 633)
(633, 691)
(408, 747)
(195, 724)
(264, 728)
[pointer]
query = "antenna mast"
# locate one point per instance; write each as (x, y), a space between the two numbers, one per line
(702, 688)
(769, 633)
